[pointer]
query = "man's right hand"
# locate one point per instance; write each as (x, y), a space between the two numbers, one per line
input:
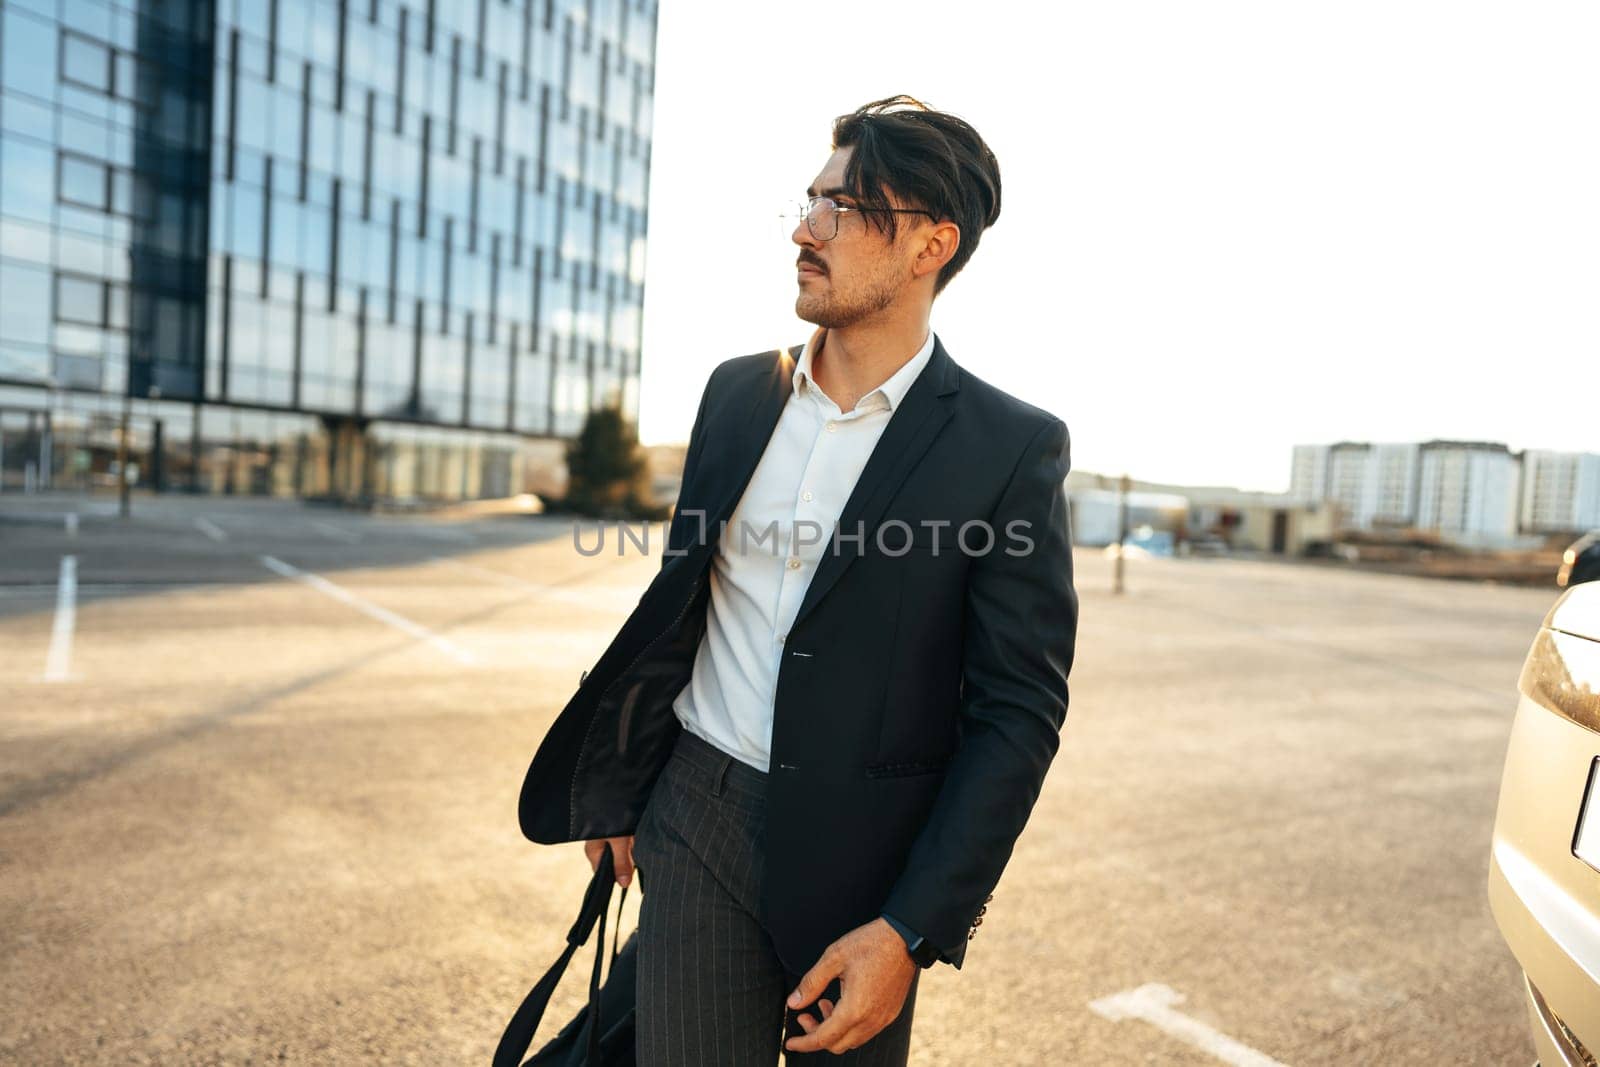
(621, 856)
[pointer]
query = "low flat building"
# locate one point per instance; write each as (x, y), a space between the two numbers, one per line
(1277, 523)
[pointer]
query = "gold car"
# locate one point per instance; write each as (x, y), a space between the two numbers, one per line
(1544, 868)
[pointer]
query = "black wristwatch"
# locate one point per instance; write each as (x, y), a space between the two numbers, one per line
(923, 952)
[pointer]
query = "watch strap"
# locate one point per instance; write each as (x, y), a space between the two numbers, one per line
(922, 951)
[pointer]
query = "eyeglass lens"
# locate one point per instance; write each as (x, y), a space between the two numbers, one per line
(820, 216)
(823, 219)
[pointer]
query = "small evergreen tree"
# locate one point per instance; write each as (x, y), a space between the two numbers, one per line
(607, 474)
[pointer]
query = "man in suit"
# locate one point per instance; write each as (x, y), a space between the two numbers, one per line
(820, 732)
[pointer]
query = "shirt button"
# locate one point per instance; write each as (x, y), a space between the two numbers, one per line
(781, 637)
(831, 426)
(794, 563)
(806, 495)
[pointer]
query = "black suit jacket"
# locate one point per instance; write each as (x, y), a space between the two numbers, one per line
(921, 694)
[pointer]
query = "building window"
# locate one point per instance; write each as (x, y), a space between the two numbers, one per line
(80, 300)
(83, 182)
(85, 63)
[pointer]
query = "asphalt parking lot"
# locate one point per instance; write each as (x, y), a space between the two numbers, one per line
(259, 765)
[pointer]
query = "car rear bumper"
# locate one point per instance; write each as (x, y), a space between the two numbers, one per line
(1552, 1040)
(1545, 901)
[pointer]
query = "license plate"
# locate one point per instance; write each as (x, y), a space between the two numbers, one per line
(1586, 842)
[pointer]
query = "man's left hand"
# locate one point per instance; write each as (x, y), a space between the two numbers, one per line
(874, 971)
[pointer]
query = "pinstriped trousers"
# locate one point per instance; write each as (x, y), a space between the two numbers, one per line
(711, 988)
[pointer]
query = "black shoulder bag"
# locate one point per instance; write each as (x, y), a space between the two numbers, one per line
(601, 1034)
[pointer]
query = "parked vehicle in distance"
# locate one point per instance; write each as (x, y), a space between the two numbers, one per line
(1153, 541)
(1544, 865)
(1581, 561)
(1205, 544)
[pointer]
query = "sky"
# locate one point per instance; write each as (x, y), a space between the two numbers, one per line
(1226, 228)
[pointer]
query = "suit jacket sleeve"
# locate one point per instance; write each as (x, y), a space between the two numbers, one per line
(1020, 627)
(691, 463)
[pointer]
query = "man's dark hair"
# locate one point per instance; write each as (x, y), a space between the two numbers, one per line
(929, 158)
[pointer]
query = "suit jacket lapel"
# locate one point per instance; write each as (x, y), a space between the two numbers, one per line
(912, 426)
(921, 414)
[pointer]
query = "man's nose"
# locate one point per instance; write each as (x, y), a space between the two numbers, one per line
(801, 234)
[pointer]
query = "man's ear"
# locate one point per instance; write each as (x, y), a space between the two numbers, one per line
(938, 247)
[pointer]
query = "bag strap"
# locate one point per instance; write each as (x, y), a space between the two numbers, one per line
(592, 1059)
(525, 1022)
(616, 934)
(596, 1028)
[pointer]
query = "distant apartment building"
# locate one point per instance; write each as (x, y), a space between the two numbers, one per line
(1308, 475)
(1468, 490)
(1372, 484)
(1560, 492)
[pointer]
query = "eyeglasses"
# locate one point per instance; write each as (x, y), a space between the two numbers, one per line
(822, 215)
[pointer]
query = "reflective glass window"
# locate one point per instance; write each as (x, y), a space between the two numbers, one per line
(276, 349)
(85, 135)
(86, 62)
(122, 192)
(117, 307)
(246, 213)
(125, 76)
(84, 182)
(91, 16)
(80, 300)
(25, 309)
(27, 53)
(24, 115)
(81, 253)
(252, 122)
(78, 372)
(26, 179)
(18, 361)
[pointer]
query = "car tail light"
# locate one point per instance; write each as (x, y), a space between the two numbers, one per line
(1561, 673)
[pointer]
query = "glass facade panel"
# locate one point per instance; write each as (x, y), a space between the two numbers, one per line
(27, 179)
(85, 62)
(85, 182)
(28, 48)
(437, 226)
(25, 308)
(80, 300)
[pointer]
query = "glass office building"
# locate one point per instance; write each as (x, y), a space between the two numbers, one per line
(352, 248)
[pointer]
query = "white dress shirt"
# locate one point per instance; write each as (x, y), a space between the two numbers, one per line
(770, 548)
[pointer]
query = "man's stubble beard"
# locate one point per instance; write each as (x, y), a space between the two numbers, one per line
(835, 310)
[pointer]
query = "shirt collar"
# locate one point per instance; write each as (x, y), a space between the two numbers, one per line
(893, 390)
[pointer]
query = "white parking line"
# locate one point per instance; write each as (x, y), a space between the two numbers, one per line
(567, 594)
(495, 576)
(1153, 1003)
(72, 523)
(60, 657)
(349, 537)
(399, 622)
(211, 529)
